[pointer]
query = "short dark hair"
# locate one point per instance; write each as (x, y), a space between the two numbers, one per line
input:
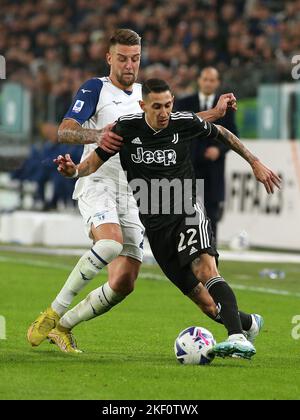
(154, 85)
(124, 37)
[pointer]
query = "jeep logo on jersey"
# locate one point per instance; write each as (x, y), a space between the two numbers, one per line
(159, 156)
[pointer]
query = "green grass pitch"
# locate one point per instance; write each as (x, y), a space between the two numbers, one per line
(129, 351)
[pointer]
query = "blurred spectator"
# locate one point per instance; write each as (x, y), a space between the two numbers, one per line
(51, 46)
(40, 169)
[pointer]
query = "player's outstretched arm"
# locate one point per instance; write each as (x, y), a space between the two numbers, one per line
(69, 169)
(262, 173)
(225, 102)
(71, 132)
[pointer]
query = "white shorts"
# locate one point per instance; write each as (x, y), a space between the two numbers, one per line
(100, 205)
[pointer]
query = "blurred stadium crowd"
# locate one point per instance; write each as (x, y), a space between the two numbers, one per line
(39, 170)
(52, 46)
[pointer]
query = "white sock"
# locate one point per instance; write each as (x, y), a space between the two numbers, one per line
(89, 265)
(96, 303)
(237, 337)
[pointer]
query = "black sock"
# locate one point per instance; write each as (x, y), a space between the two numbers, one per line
(246, 320)
(225, 299)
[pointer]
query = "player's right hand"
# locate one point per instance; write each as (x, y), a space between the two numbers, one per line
(109, 140)
(65, 165)
(225, 102)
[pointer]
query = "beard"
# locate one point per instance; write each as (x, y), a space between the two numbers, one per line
(126, 80)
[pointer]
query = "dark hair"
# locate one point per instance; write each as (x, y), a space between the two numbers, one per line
(154, 85)
(124, 37)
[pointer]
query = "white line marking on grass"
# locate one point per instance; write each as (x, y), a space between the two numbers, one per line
(143, 275)
(265, 290)
(44, 251)
(150, 276)
(260, 257)
(36, 263)
(242, 256)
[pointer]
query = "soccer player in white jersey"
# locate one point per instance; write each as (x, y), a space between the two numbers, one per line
(106, 204)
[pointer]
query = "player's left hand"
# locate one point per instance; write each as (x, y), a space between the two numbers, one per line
(225, 102)
(267, 177)
(109, 141)
(65, 165)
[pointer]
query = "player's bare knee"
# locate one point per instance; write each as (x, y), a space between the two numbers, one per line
(110, 231)
(209, 273)
(109, 248)
(204, 271)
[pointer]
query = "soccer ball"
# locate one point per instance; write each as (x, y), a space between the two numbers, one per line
(193, 346)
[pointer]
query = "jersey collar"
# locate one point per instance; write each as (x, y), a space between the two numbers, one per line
(153, 129)
(128, 92)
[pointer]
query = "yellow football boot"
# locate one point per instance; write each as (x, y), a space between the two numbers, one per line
(40, 328)
(64, 339)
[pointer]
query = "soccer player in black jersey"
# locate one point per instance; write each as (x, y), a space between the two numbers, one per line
(156, 158)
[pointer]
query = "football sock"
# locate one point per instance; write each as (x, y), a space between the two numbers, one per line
(225, 300)
(96, 303)
(89, 265)
(246, 320)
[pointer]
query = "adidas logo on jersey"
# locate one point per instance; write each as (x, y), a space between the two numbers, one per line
(193, 250)
(137, 140)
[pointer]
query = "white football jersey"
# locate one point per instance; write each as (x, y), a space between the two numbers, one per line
(97, 103)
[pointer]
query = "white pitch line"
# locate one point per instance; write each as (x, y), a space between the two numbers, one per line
(145, 275)
(36, 263)
(260, 257)
(265, 290)
(268, 291)
(242, 256)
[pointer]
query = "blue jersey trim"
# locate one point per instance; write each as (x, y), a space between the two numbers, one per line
(84, 104)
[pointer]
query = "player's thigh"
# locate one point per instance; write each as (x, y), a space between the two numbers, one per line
(107, 231)
(122, 273)
(100, 216)
(182, 277)
(196, 247)
(164, 249)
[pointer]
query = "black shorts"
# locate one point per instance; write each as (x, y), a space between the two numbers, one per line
(176, 246)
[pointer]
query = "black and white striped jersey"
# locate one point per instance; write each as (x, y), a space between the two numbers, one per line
(158, 164)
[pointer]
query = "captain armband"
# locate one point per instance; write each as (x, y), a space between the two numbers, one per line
(104, 156)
